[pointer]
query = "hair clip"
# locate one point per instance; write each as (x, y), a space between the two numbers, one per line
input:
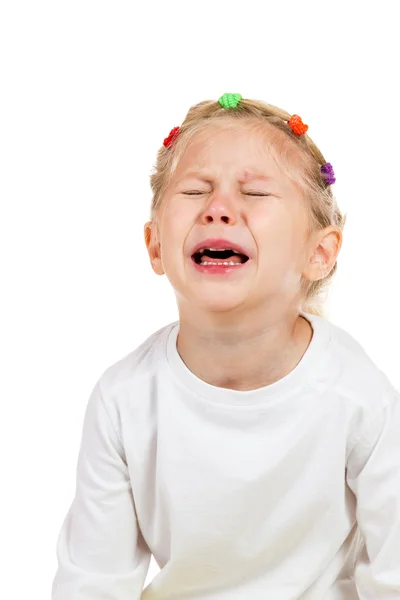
(299, 128)
(328, 174)
(173, 134)
(230, 100)
(297, 125)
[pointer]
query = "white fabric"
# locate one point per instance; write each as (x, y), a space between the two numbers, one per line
(289, 492)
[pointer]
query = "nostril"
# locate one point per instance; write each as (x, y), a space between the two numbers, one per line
(210, 219)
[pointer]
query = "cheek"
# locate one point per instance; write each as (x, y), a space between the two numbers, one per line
(279, 238)
(176, 225)
(178, 219)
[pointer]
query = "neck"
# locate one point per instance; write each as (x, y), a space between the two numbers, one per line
(249, 353)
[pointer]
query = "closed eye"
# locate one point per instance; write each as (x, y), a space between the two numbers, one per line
(197, 193)
(193, 193)
(257, 194)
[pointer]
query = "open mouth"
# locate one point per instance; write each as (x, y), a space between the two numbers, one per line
(209, 257)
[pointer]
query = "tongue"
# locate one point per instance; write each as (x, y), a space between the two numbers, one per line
(234, 258)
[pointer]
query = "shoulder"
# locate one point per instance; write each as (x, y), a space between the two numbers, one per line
(136, 366)
(356, 367)
(119, 399)
(360, 386)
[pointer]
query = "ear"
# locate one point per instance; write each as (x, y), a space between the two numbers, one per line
(323, 253)
(151, 238)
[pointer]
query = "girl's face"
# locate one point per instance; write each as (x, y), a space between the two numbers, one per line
(227, 186)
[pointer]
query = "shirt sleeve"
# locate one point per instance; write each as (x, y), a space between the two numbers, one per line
(373, 474)
(100, 550)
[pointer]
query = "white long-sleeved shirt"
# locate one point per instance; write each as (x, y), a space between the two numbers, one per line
(288, 492)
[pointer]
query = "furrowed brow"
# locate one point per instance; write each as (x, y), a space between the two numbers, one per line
(251, 175)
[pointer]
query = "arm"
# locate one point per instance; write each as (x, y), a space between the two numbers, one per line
(100, 551)
(373, 474)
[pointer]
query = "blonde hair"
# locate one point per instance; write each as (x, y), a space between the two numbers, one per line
(297, 156)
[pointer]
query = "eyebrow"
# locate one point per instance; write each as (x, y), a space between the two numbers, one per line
(196, 175)
(248, 176)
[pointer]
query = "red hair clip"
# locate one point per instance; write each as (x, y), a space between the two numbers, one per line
(173, 134)
(297, 125)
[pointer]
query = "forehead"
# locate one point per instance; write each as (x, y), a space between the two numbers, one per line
(245, 149)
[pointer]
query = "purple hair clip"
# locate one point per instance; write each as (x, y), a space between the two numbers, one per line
(328, 174)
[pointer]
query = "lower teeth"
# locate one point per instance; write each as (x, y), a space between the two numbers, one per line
(234, 264)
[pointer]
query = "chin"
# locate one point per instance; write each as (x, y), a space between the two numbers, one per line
(204, 296)
(217, 303)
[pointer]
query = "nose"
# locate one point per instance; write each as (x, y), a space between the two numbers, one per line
(220, 208)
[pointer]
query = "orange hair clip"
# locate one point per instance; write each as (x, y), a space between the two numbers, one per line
(297, 125)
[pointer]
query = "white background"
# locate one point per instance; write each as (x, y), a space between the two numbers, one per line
(89, 91)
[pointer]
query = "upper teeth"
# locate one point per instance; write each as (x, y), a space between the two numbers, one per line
(218, 250)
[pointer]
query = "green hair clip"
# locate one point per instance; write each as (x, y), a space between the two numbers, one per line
(230, 100)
